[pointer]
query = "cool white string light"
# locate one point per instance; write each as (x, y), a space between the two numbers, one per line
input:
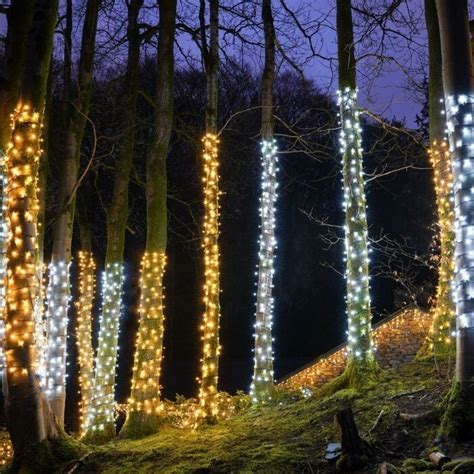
(262, 383)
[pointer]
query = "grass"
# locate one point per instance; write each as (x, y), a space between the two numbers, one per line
(292, 434)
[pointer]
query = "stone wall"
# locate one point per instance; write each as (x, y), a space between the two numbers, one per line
(397, 340)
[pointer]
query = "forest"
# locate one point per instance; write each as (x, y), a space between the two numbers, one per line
(236, 236)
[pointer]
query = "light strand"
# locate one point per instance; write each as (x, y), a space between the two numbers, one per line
(3, 257)
(262, 383)
(208, 407)
(360, 343)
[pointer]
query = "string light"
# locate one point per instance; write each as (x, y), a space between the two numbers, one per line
(3, 257)
(360, 344)
(208, 407)
(460, 113)
(84, 331)
(40, 325)
(57, 296)
(262, 383)
(23, 155)
(99, 420)
(145, 394)
(444, 312)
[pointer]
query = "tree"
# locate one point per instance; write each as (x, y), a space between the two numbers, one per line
(76, 109)
(361, 357)
(262, 384)
(208, 409)
(458, 420)
(444, 314)
(100, 419)
(144, 404)
(30, 421)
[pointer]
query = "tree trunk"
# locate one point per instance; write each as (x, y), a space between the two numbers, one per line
(459, 101)
(29, 419)
(144, 404)
(360, 342)
(101, 420)
(262, 384)
(208, 410)
(444, 314)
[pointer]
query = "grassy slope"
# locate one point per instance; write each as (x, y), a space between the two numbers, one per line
(292, 435)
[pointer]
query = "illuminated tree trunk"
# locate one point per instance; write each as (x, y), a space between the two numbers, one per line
(444, 314)
(58, 288)
(208, 407)
(262, 384)
(458, 420)
(30, 421)
(101, 420)
(360, 344)
(144, 404)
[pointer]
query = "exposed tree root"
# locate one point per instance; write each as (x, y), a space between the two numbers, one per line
(139, 425)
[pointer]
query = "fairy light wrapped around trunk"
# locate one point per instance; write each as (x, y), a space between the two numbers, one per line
(360, 344)
(460, 116)
(100, 420)
(21, 215)
(445, 311)
(84, 331)
(3, 258)
(262, 384)
(41, 325)
(208, 407)
(56, 316)
(145, 395)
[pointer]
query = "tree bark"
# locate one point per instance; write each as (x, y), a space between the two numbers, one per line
(262, 383)
(144, 405)
(208, 409)
(444, 313)
(360, 341)
(100, 420)
(29, 419)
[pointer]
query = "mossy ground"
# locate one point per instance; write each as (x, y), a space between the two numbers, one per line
(291, 435)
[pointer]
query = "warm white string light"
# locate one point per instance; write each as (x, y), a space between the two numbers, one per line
(360, 344)
(460, 117)
(56, 320)
(262, 383)
(99, 420)
(3, 257)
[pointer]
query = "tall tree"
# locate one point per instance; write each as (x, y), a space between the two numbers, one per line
(444, 314)
(76, 109)
(30, 421)
(144, 404)
(100, 420)
(458, 420)
(262, 384)
(208, 407)
(361, 357)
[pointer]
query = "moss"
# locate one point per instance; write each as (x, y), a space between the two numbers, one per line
(457, 422)
(463, 466)
(139, 425)
(417, 465)
(100, 436)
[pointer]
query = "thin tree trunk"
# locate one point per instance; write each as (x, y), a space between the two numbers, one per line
(58, 288)
(29, 418)
(445, 311)
(262, 384)
(144, 405)
(208, 406)
(100, 420)
(360, 342)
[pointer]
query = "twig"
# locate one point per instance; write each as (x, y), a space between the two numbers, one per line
(375, 424)
(398, 395)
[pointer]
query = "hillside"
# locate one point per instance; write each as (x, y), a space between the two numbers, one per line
(292, 435)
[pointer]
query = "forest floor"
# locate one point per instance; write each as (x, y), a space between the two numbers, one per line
(292, 434)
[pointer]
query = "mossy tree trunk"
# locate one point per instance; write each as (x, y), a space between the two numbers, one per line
(458, 420)
(208, 407)
(30, 421)
(445, 311)
(144, 405)
(361, 357)
(262, 383)
(76, 108)
(101, 420)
